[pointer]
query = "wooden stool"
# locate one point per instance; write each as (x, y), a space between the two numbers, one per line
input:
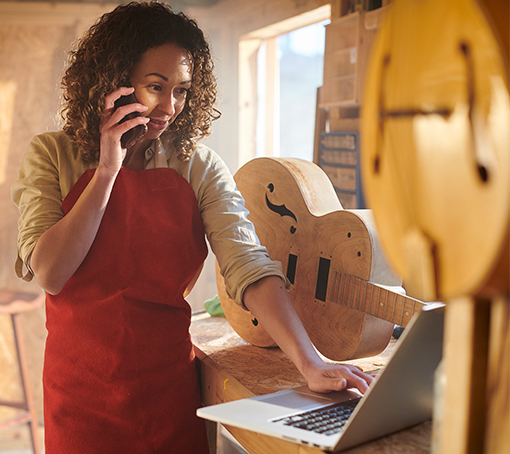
(13, 303)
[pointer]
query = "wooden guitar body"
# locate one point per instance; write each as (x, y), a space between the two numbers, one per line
(329, 256)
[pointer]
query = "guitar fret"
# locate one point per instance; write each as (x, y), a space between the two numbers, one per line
(338, 278)
(337, 286)
(358, 294)
(358, 288)
(364, 299)
(355, 294)
(331, 289)
(342, 289)
(385, 304)
(366, 287)
(408, 314)
(378, 301)
(394, 304)
(371, 299)
(351, 293)
(345, 298)
(359, 302)
(332, 294)
(347, 289)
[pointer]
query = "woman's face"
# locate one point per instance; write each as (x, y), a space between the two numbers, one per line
(161, 80)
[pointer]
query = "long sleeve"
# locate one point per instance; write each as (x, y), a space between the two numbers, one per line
(49, 169)
(241, 257)
(52, 165)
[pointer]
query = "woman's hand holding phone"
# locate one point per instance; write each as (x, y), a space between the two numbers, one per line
(122, 116)
(132, 136)
(62, 248)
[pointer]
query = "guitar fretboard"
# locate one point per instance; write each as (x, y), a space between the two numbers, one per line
(372, 299)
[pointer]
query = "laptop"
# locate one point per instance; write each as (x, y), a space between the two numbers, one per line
(400, 397)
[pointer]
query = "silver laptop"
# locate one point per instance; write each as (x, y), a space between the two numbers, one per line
(401, 396)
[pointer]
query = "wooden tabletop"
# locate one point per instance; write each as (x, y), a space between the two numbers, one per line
(233, 369)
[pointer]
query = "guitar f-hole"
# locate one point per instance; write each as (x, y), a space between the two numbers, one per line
(282, 210)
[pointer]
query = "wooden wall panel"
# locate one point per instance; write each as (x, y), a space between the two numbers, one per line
(34, 40)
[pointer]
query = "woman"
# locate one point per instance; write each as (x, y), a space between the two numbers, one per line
(116, 235)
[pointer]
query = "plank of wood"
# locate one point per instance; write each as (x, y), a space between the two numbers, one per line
(497, 440)
(462, 421)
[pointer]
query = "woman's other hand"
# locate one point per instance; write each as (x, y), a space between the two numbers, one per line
(271, 305)
(325, 377)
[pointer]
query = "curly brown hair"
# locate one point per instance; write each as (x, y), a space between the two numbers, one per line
(104, 58)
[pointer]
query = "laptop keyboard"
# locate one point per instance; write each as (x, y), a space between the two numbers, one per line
(325, 420)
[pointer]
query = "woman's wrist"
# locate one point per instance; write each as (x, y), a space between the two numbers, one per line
(106, 173)
(309, 361)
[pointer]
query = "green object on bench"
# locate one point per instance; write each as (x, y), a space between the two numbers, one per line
(213, 307)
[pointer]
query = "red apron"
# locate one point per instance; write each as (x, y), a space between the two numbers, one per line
(119, 372)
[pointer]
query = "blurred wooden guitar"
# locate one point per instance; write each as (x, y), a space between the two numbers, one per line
(330, 256)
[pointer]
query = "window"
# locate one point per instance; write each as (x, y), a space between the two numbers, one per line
(301, 54)
(281, 67)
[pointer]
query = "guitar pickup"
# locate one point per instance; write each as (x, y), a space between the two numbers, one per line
(321, 287)
(291, 268)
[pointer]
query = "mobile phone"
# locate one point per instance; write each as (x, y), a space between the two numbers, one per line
(132, 136)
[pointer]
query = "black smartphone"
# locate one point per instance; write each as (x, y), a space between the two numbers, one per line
(132, 136)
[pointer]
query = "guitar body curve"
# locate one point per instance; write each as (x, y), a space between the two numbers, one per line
(242, 321)
(298, 218)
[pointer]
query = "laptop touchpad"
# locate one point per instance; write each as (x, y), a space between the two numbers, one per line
(303, 400)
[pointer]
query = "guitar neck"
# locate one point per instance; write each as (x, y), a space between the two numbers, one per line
(372, 299)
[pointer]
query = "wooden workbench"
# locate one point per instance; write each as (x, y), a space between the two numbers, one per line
(232, 369)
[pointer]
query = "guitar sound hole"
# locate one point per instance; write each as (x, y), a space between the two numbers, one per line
(359, 253)
(349, 235)
(255, 322)
(483, 173)
(377, 164)
(465, 49)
